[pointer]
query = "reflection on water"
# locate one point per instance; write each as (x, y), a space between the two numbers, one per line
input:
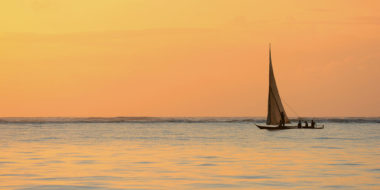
(77, 156)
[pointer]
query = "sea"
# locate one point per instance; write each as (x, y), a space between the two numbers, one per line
(186, 153)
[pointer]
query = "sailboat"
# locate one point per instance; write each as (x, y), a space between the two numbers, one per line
(276, 111)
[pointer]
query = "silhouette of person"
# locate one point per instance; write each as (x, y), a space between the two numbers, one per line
(312, 123)
(299, 124)
(306, 124)
(282, 122)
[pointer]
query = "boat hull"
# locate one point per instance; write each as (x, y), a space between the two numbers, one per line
(323, 126)
(271, 127)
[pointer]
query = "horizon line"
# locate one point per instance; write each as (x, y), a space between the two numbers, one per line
(183, 117)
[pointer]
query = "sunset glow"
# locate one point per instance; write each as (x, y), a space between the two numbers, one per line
(188, 58)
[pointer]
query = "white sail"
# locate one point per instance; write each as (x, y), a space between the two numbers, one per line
(275, 106)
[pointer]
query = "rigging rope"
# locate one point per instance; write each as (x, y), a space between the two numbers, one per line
(298, 117)
(291, 109)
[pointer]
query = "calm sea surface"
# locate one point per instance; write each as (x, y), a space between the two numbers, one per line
(187, 155)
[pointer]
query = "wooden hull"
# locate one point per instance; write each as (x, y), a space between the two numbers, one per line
(323, 126)
(271, 127)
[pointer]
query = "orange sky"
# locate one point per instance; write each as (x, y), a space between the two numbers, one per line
(188, 58)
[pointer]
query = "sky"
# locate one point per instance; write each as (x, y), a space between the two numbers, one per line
(83, 58)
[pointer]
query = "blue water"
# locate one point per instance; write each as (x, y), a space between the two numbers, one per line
(186, 153)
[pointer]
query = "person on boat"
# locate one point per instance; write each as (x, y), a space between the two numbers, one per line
(306, 124)
(299, 124)
(282, 122)
(312, 124)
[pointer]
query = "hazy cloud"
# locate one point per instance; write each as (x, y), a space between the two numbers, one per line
(44, 5)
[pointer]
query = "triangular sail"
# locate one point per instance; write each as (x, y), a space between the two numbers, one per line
(274, 101)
